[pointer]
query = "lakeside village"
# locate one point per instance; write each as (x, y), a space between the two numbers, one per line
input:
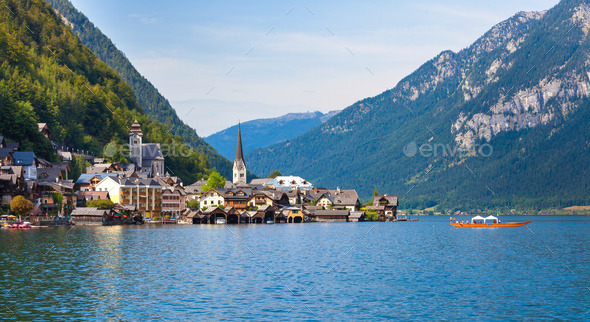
(40, 193)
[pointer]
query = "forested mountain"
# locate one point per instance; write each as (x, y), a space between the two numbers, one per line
(261, 133)
(154, 104)
(502, 123)
(47, 75)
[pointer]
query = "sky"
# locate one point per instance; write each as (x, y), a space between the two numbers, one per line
(221, 62)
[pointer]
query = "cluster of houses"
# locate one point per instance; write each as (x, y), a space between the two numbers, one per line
(23, 173)
(283, 199)
(144, 189)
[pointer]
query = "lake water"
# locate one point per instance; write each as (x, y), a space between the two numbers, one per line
(340, 271)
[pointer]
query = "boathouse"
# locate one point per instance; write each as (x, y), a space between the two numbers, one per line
(89, 215)
(216, 215)
(233, 215)
(356, 216)
(293, 214)
(331, 215)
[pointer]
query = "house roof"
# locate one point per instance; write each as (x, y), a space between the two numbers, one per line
(198, 183)
(12, 178)
(356, 214)
(208, 211)
(138, 181)
(4, 152)
(53, 185)
(172, 189)
(44, 162)
(62, 185)
(391, 200)
(260, 182)
(291, 193)
(61, 165)
(126, 207)
(85, 177)
(264, 208)
(192, 214)
(290, 181)
(88, 211)
(242, 185)
(65, 155)
(92, 195)
(170, 183)
(329, 213)
(48, 174)
(24, 158)
(331, 199)
(193, 189)
(13, 145)
(232, 193)
(98, 168)
(346, 198)
(151, 151)
(17, 169)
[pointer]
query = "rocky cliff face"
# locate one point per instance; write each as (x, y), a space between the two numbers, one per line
(540, 104)
(552, 98)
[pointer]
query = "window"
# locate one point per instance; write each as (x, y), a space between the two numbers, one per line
(241, 175)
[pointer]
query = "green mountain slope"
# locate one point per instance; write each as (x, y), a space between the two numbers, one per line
(515, 104)
(264, 132)
(47, 75)
(155, 105)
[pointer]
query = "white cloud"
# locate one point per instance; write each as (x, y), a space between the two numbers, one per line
(144, 18)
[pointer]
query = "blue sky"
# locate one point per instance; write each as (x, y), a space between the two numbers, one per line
(235, 60)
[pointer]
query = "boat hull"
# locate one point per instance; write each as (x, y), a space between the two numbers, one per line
(500, 225)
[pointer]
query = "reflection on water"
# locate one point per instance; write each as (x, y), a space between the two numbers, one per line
(408, 271)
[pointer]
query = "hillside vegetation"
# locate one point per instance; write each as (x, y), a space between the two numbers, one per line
(154, 104)
(47, 75)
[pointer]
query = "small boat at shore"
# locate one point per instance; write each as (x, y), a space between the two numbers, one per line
(24, 225)
(487, 222)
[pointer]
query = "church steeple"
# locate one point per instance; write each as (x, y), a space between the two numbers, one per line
(239, 154)
(239, 164)
(135, 144)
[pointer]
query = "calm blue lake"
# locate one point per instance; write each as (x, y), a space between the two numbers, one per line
(340, 271)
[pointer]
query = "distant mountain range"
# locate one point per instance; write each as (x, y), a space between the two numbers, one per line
(261, 133)
(503, 123)
(155, 105)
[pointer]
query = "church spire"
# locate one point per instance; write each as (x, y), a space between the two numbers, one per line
(239, 164)
(239, 154)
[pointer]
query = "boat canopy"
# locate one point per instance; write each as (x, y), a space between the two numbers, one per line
(491, 218)
(477, 218)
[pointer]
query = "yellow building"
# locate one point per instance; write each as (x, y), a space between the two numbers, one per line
(145, 194)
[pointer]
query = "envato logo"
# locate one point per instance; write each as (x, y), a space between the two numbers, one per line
(428, 150)
(173, 150)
